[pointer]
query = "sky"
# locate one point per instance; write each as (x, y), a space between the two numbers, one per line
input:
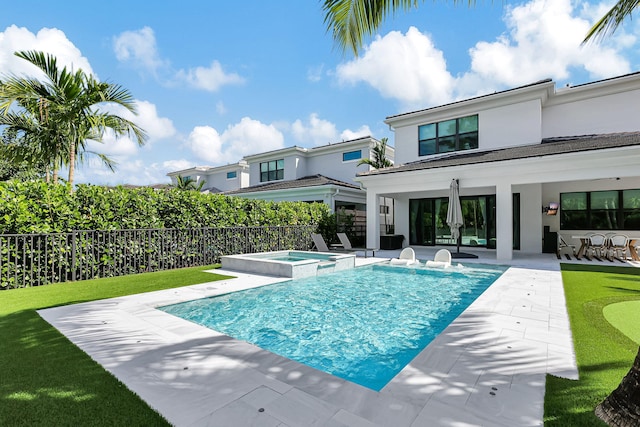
(215, 81)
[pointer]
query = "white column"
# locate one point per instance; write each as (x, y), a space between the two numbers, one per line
(504, 221)
(373, 219)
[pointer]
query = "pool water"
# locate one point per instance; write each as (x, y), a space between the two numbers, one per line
(363, 324)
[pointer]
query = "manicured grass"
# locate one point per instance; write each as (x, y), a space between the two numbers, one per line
(45, 380)
(603, 353)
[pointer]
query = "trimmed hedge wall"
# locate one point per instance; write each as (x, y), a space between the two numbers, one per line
(39, 207)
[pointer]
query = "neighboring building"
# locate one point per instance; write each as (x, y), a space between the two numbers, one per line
(321, 174)
(514, 153)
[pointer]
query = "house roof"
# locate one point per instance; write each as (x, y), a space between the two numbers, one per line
(547, 147)
(307, 181)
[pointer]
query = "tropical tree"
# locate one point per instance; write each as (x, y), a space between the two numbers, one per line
(188, 183)
(379, 158)
(56, 117)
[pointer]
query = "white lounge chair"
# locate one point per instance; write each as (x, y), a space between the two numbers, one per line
(441, 259)
(407, 257)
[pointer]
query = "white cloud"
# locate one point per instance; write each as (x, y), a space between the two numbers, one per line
(220, 108)
(316, 131)
(49, 40)
(244, 138)
(349, 134)
(406, 67)
(210, 79)
(543, 40)
(139, 48)
(157, 128)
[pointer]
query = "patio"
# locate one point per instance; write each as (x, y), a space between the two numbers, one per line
(487, 368)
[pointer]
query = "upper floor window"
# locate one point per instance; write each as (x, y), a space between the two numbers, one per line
(272, 171)
(231, 175)
(450, 135)
(351, 155)
(600, 210)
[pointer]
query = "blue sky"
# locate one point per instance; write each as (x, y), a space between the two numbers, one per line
(215, 80)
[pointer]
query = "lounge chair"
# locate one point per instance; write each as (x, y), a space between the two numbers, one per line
(318, 241)
(407, 257)
(346, 244)
(441, 259)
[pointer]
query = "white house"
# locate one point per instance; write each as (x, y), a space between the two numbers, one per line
(514, 153)
(324, 174)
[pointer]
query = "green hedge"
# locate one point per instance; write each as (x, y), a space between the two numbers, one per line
(39, 207)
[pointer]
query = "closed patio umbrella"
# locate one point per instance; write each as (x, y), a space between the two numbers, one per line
(454, 213)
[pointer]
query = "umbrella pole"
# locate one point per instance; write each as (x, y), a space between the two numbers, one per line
(459, 239)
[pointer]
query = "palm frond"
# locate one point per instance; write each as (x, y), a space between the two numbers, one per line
(608, 24)
(351, 21)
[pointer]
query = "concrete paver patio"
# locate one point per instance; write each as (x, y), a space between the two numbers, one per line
(486, 369)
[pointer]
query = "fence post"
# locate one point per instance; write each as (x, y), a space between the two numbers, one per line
(73, 256)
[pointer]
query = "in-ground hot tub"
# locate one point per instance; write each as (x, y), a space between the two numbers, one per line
(294, 264)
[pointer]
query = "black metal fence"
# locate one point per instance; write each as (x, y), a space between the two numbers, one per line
(40, 259)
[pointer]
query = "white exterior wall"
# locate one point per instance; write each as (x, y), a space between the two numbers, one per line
(605, 114)
(219, 180)
(530, 217)
(509, 125)
(498, 127)
(330, 163)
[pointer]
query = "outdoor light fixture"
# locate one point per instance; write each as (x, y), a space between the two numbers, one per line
(552, 209)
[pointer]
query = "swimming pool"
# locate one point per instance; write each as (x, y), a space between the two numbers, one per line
(363, 324)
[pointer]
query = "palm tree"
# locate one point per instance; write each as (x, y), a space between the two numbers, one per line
(379, 159)
(67, 109)
(188, 183)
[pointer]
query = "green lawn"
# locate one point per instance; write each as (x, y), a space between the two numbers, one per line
(45, 380)
(603, 352)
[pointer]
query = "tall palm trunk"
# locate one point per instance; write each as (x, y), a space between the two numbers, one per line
(622, 407)
(72, 163)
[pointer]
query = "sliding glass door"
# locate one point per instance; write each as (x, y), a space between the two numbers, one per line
(428, 221)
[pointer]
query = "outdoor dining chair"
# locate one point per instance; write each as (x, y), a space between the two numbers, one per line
(619, 246)
(597, 245)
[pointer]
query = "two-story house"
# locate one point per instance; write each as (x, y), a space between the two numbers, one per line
(516, 153)
(321, 174)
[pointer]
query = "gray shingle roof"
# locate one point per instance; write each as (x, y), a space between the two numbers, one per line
(307, 181)
(547, 147)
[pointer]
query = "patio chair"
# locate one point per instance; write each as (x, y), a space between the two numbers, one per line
(564, 246)
(597, 245)
(441, 259)
(318, 241)
(618, 246)
(407, 257)
(346, 244)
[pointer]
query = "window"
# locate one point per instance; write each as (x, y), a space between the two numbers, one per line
(231, 175)
(450, 135)
(600, 210)
(384, 209)
(272, 171)
(351, 155)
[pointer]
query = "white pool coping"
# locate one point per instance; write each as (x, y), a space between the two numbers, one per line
(486, 369)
